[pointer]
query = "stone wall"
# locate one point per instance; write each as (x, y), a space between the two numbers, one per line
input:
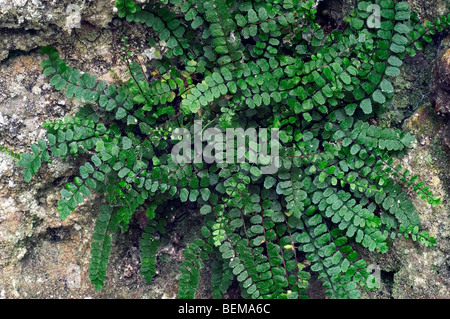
(40, 255)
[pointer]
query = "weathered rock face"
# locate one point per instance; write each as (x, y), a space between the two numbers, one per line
(440, 88)
(40, 255)
(441, 80)
(423, 272)
(44, 257)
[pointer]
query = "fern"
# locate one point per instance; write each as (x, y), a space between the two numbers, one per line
(149, 247)
(248, 65)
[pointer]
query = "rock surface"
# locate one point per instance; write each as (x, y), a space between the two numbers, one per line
(441, 80)
(44, 257)
(429, 9)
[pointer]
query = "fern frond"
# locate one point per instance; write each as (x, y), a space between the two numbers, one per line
(245, 65)
(101, 246)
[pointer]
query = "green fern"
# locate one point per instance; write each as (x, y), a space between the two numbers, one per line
(249, 64)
